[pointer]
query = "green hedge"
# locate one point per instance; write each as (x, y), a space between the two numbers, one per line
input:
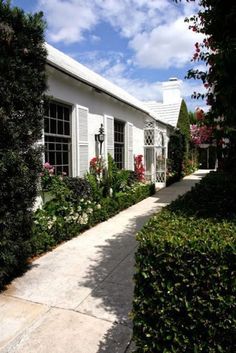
(22, 87)
(185, 281)
(56, 223)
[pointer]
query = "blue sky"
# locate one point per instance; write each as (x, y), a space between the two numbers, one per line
(137, 44)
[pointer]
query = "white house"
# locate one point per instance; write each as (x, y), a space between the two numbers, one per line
(80, 101)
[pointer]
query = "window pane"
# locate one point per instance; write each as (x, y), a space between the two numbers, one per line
(53, 110)
(67, 128)
(66, 114)
(66, 170)
(59, 112)
(51, 158)
(58, 158)
(60, 127)
(65, 158)
(58, 146)
(46, 125)
(53, 129)
(65, 147)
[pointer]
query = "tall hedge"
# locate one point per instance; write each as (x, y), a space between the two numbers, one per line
(183, 121)
(22, 84)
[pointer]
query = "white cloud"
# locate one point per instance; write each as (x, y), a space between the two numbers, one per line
(168, 45)
(94, 38)
(115, 67)
(154, 29)
(68, 20)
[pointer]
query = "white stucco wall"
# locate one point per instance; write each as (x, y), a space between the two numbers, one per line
(65, 89)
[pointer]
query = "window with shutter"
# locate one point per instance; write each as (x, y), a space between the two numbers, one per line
(82, 143)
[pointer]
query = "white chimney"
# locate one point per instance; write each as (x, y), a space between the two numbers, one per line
(171, 91)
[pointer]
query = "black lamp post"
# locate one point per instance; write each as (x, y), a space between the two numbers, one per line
(100, 137)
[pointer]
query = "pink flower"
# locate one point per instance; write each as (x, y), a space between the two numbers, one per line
(47, 166)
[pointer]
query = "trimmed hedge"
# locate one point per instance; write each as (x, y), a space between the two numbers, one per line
(214, 197)
(185, 281)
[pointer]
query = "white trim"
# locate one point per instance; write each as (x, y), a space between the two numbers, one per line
(108, 147)
(129, 144)
(79, 142)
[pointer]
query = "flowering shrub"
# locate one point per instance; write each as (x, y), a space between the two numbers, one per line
(201, 134)
(139, 167)
(80, 203)
(59, 220)
(46, 175)
(48, 179)
(97, 166)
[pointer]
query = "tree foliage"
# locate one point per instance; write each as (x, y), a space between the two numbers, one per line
(183, 121)
(22, 83)
(216, 19)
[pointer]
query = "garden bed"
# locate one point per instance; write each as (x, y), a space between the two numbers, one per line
(76, 204)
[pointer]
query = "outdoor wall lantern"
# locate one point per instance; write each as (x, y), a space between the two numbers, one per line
(99, 138)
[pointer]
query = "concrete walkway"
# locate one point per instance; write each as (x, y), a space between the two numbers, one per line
(77, 298)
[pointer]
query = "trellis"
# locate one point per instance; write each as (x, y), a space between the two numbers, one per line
(155, 152)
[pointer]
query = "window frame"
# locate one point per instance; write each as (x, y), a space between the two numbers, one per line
(119, 144)
(57, 138)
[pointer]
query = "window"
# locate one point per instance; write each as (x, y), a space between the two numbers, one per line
(119, 143)
(57, 131)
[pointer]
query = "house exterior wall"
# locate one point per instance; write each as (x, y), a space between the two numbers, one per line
(65, 89)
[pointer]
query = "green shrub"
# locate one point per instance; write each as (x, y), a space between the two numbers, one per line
(22, 83)
(95, 185)
(185, 286)
(214, 196)
(176, 153)
(79, 187)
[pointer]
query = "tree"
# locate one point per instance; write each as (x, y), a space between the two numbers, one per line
(183, 121)
(22, 85)
(216, 19)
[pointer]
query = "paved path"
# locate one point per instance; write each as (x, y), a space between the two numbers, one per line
(76, 299)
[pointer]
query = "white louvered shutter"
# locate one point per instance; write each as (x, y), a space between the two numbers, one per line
(82, 135)
(109, 135)
(129, 146)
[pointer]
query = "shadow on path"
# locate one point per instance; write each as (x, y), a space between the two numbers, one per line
(111, 297)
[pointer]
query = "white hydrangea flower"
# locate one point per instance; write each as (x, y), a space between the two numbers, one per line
(83, 219)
